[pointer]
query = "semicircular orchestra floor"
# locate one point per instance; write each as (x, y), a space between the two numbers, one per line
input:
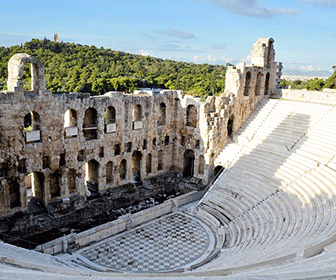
(169, 243)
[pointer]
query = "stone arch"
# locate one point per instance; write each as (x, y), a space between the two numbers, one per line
(188, 163)
(258, 84)
(109, 172)
(15, 73)
(123, 169)
(72, 187)
(160, 161)
(137, 113)
(14, 194)
(247, 83)
(267, 80)
(90, 124)
(55, 184)
(191, 116)
(149, 163)
(201, 165)
(230, 125)
(70, 123)
(162, 114)
(136, 166)
(91, 171)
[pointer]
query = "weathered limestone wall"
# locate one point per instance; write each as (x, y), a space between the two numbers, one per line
(53, 147)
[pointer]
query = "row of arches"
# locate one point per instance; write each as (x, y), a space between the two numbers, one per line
(258, 85)
(90, 122)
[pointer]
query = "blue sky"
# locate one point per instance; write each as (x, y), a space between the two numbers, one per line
(213, 31)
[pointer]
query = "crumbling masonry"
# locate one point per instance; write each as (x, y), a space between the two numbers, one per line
(56, 146)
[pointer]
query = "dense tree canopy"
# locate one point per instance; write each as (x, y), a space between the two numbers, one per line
(73, 67)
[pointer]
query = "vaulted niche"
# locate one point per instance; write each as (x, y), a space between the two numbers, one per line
(123, 169)
(188, 165)
(230, 126)
(90, 124)
(55, 188)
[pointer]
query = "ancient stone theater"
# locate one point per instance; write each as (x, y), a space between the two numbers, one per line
(159, 184)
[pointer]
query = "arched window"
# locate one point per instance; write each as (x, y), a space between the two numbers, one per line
(201, 165)
(247, 84)
(70, 123)
(267, 83)
(137, 117)
(72, 181)
(230, 126)
(258, 84)
(149, 163)
(162, 114)
(31, 123)
(90, 124)
(91, 169)
(55, 188)
(137, 113)
(191, 116)
(109, 170)
(110, 120)
(123, 169)
(136, 166)
(160, 161)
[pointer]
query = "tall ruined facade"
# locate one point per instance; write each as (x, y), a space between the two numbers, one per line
(55, 146)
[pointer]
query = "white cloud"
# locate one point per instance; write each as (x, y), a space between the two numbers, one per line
(177, 33)
(331, 3)
(210, 59)
(251, 8)
(144, 53)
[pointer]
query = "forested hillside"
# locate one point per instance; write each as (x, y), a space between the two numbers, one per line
(73, 67)
(312, 84)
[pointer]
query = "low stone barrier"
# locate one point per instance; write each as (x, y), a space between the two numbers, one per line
(76, 240)
(326, 96)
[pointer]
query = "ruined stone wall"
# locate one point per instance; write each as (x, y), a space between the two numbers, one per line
(56, 146)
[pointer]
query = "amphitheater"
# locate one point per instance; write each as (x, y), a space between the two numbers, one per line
(255, 169)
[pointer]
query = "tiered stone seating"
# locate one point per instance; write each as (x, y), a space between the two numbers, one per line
(279, 192)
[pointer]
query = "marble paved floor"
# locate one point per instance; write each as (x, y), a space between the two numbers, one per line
(174, 241)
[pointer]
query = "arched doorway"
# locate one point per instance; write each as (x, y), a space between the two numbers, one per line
(267, 83)
(230, 126)
(218, 170)
(188, 166)
(91, 178)
(136, 167)
(14, 194)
